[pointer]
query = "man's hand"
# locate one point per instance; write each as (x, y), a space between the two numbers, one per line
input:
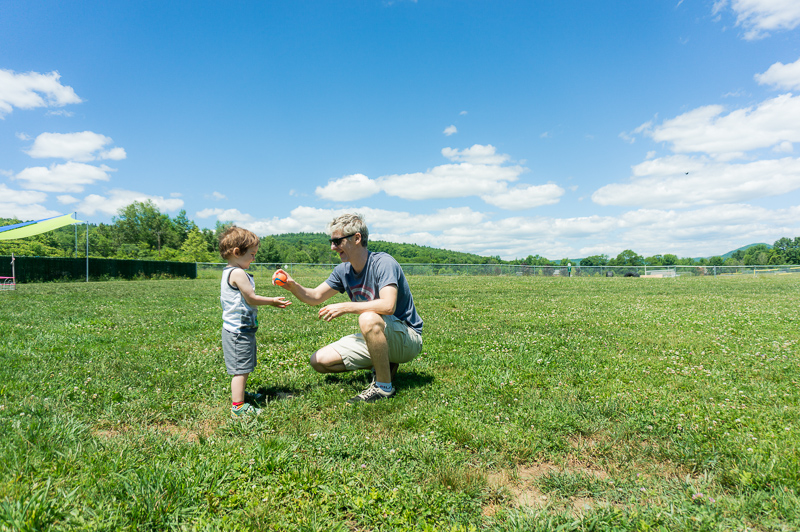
(288, 278)
(329, 312)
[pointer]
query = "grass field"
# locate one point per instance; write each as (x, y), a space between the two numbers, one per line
(538, 404)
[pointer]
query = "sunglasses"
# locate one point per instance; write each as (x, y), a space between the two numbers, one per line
(338, 241)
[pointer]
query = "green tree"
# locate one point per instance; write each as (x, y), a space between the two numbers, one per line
(268, 251)
(669, 260)
(142, 222)
(183, 226)
(655, 260)
(716, 261)
(627, 258)
(194, 249)
(776, 259)
(595, 260)
(788, 248)
(755, 255)
(536, 260)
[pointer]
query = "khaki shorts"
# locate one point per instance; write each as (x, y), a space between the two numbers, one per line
(404, 345)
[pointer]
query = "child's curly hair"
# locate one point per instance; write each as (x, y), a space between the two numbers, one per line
(235, 237)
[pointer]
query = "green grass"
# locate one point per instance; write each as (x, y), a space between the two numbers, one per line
(538, 404)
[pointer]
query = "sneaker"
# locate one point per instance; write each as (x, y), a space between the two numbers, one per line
(255, 398)
(393, 367)
(244, 410)
(372, 394)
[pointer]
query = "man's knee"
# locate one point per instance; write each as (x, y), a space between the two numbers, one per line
(371, 322)
(315, 363)
(326, 360)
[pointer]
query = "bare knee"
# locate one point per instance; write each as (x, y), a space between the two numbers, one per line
(327, 360)
(316, 364)
(370, 322)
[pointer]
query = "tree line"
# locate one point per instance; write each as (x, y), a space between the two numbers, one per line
(142, 231)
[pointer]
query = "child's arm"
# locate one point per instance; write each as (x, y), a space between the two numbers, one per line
(310, 296)
(239, 279)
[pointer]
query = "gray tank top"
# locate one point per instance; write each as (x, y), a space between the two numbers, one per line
(237, 315)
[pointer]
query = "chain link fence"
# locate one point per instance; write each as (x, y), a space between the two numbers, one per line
(207, 270)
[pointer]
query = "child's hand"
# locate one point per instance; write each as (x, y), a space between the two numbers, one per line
(280, 302)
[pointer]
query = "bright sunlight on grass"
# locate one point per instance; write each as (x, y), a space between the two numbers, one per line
(589, 404)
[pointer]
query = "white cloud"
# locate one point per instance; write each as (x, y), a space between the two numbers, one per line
(23, 204)
(726, 227)
(31, 90)
(82, 147)
(25, 212)
(67, 199)
(664, 182)
(301, 219)
(67, 177)
(450, 130)
(217, 195)
(781, 76)
(480, 173)
(118, 199)
(348, 188)
(450, 181)
(21, 197)
(708, 130)
(463, 113)
(784, 147)
(477, 154)
(759, 17)
(525, 197)
(631, 136)
(404, 222)
(114, 154)
(60, 112)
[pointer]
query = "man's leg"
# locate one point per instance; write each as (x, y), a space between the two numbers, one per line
(373, 328)
(327, 360)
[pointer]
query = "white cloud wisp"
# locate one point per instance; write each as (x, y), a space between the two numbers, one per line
(82, 147)
(31, 90)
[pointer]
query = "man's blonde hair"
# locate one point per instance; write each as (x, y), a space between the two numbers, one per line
(236, 237)
(350, 223)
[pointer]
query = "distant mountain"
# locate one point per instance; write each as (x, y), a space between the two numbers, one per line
(730, 253)
(744, 248)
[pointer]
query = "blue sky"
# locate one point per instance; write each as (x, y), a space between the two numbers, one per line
(513, 128)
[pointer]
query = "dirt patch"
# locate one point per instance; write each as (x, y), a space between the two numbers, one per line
(192, 434)
(521, 487)
(106, 434)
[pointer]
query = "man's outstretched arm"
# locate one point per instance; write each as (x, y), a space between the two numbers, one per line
(309, 296)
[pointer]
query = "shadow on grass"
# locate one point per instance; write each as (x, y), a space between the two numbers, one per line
(407, 379)
(280, 393)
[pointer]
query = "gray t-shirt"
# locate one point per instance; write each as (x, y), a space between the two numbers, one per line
(381, 270)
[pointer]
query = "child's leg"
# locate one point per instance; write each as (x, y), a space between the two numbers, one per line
(238, 383)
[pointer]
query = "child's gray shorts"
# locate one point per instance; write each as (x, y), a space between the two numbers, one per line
(239, 350)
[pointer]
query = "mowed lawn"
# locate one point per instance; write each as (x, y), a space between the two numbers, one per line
(584, 403)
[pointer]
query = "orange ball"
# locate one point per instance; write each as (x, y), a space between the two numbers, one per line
(280, 279)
